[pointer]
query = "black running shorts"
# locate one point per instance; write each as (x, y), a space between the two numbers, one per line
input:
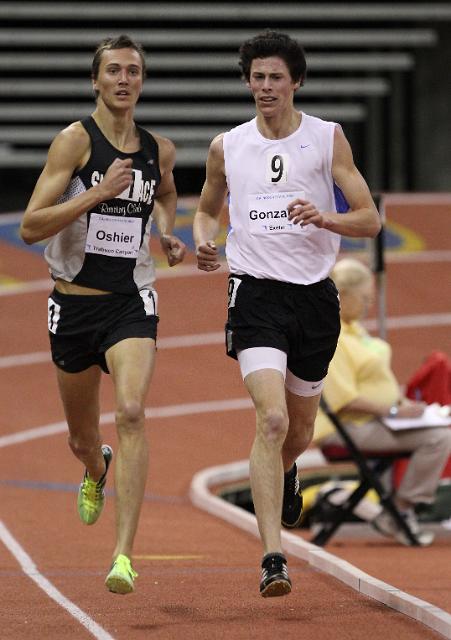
(301, 320)
(83, 328)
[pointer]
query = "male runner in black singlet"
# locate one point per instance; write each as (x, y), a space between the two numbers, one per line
(104, 180)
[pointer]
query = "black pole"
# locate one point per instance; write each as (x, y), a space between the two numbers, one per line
(378, 267)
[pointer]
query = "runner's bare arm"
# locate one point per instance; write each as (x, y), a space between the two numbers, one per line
(68, 152)
(362, 220)
(166, 204)
(207, 218)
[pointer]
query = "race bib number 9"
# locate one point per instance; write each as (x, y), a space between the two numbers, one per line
(114, 236)
(267, 213)
(277, 167)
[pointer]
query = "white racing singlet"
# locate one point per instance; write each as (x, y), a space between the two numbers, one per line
(263, 176)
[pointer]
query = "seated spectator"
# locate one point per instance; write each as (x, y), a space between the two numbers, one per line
(362, 389)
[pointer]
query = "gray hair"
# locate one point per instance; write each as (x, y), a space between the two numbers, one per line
(349, 273)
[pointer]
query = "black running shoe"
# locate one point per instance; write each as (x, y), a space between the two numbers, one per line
(275, 580)
(292, 499)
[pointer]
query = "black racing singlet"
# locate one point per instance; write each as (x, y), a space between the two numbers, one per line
(108, 247)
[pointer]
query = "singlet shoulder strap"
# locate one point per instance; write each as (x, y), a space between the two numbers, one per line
(149, 145)
(91, 127)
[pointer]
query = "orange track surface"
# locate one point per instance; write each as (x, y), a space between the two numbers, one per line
(198, 575)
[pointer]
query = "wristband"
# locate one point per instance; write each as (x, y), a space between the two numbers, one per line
(393, 411)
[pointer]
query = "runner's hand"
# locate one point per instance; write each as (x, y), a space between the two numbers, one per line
(303, 212)
(207, 256)
(174, 249)
(117, 178)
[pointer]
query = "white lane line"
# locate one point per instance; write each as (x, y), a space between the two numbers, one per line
(417, 198)
(413, 321)
(30, 569)
(233, 404)
(170, 411)
(203, 339)
(46, 284)
(24, 359)
(435, 255)
(16, 288)
(191, 340)
(33, 434)
(171, 342)
(191, 270)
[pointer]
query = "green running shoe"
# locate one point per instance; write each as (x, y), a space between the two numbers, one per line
(91, 495)
(121, 576)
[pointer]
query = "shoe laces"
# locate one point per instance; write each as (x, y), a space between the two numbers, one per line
(92, 490)
(279, 569)
(292, 484)
(123, 564)
(274, 563)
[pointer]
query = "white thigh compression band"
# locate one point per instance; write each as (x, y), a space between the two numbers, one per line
(256, 358)
(303, 387)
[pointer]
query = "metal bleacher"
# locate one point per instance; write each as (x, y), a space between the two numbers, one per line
(359, 56)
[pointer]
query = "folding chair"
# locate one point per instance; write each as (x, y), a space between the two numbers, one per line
(370, 466)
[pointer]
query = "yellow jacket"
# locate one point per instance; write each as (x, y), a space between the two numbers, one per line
(359, 368)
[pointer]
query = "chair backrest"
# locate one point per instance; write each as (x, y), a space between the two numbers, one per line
(432, 381)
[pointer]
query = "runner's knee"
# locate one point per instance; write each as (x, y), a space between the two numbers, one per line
(130, 415)
(83, 447)
(273, 424)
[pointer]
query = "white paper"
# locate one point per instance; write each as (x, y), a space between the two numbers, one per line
(434, 415)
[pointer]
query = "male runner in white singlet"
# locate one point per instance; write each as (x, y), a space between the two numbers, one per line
(104, 180)
(284, 172)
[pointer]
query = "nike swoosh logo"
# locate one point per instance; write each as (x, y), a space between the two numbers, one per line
(315, 386)
(304, 146)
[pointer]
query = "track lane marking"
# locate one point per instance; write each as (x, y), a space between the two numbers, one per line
(172, 342)
(30, 569)
(191, 270)
(46, 284)
(169, 411)
(169, 557)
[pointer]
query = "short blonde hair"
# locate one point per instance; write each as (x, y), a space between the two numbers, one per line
(349, 273)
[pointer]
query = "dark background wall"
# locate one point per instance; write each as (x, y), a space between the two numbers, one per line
(402, 143)
(431, 115)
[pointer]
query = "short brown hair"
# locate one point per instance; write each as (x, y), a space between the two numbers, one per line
(120, 42)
